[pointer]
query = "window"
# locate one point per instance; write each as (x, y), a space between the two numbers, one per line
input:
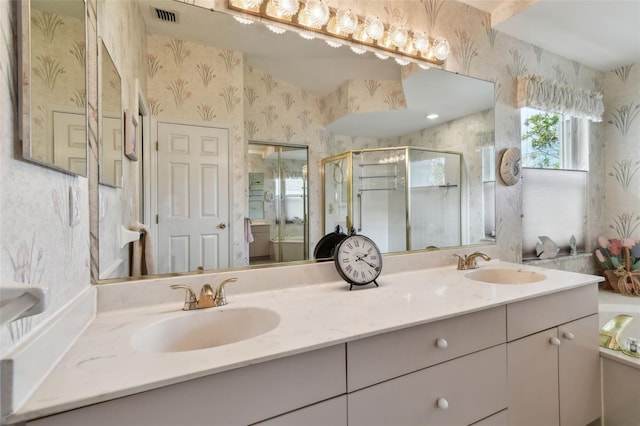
(554, 179)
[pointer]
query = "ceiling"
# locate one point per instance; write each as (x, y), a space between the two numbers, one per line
(602, 34)
(314, 66)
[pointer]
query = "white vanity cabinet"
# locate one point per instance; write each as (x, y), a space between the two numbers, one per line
(236, 397)
(450, 372)
(553, 359)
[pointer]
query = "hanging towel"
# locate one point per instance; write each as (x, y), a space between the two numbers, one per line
(142, 259)
(248, 236)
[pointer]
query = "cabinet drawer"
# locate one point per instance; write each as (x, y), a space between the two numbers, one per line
(236, 397)
(331, 412)
(474, 387)
(379, 358)
(533, 315)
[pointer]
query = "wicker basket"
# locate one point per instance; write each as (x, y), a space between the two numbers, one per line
(624, 280)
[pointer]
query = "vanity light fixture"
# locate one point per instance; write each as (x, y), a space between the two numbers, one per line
(311, 17)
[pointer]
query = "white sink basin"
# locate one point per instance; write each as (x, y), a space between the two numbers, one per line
(204, 329)
(505, 276)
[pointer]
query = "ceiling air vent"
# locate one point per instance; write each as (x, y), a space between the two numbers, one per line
(165, 15)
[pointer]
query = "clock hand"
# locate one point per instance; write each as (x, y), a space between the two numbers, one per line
(370, 264)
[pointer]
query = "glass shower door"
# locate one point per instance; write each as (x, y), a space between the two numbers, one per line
(434, 180)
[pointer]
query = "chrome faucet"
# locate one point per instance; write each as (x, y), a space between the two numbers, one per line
(208, 298)
(469, 261)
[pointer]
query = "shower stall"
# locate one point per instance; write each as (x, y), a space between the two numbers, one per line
(403, 198)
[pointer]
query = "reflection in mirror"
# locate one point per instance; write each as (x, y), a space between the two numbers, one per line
(111, 120)
(278, 202)
(53, 100)
(404, 198)
(269, 87)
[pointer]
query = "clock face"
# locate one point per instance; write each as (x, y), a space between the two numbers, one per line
(358, 260)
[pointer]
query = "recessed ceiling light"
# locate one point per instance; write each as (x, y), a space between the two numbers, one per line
(432, 116)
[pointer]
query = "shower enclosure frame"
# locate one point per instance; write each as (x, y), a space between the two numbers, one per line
(348, 156)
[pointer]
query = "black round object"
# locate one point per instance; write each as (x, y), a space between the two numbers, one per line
(327, 244)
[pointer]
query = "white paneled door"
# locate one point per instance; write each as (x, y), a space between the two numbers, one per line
(193, 197)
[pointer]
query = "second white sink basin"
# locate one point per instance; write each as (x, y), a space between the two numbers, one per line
(505, 276)
(204, 329)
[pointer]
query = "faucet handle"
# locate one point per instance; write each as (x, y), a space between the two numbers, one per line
(220, 299)
(190, 301)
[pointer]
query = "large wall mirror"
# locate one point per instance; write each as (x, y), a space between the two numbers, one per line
(53, 98)
(283, 89)
(111, 119)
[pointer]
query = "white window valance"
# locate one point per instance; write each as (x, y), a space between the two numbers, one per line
(542, 93)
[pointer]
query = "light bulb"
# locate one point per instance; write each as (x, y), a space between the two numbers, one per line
(373, 27)
(358, 50)
(401, 62)
(381, 56)
(307, 35)
(346, 20)
(333, 44)
(441, 48)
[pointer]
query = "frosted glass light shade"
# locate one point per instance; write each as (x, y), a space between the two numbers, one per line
(251, 4)
(373, 27)
(421, 41)
(346, 21)
(399, 35)
(441, 48)
(316, 13)
(286, 8)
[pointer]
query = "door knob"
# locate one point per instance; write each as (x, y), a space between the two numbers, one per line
(222, 225)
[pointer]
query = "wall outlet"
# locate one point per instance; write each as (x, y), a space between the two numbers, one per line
(74, 206)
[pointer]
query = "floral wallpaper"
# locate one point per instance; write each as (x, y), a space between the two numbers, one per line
(57, 80)
(622, 153)
(31, 242)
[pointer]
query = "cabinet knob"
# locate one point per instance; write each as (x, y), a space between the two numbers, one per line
(555, 341)
(442, 343)
(443, 404)
(568, 335)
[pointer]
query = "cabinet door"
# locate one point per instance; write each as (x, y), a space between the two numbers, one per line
(579, 367)
(532, 363)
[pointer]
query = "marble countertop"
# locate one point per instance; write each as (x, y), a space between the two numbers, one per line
(102, 365)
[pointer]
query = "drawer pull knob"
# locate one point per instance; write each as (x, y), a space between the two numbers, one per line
(568, 335)
(443, 404)
(555, 341)
(442, 343)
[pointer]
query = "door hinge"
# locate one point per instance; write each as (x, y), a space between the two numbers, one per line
(156, 145)
(157, 219)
